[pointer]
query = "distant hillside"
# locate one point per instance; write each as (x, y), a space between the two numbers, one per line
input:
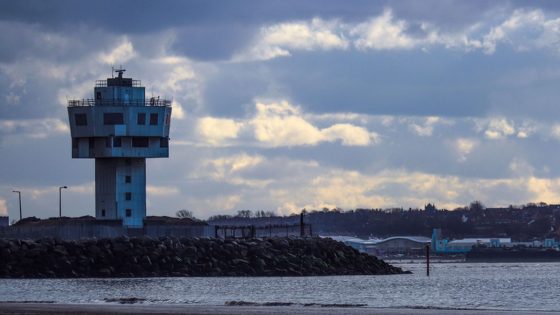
(520, 223)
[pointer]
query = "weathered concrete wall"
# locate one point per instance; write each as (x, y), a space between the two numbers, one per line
(65, 231)
(76, 230)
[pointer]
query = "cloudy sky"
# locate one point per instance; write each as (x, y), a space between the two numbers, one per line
(281, 105)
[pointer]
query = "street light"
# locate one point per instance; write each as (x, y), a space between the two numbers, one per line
(60, 200)
(19, 195)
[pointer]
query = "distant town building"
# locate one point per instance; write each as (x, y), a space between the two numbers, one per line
(396, 245)
(120, 128)
(4, 221)
(465, 245)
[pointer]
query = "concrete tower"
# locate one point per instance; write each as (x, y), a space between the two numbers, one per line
(120, 128)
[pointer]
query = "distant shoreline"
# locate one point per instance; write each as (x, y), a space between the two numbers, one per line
(103, 309)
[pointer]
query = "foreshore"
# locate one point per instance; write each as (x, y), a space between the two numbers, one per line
(105, 309)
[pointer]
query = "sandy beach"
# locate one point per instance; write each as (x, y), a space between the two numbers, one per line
(91, 309)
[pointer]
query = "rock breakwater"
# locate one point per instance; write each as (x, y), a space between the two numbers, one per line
(146, 257)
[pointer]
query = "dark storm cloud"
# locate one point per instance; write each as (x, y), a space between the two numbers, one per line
(214, 30)
(145, 16)
(205, 29)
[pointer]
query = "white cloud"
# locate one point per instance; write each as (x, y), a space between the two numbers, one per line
(225, 167)
(387, 121)
(544, 189)
(499, 128)
(401, 188)
(282, 124)
(176, 76)
(350, 190)
(526, 129)
(464, 147)
(382, 32)
(162, 190)
(217, 131)
(218, 204)
(279, 39)
(177, 111)
(120, 54)
(523, 30)
(3, 207)
(521, 168)
(86, 188)
(317, 34)
(426, 128)
(34, 128)
(230, 170)
(555, 131)
(350, 135)
(12, 98)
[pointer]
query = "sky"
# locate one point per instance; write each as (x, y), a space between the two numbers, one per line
(285, 105)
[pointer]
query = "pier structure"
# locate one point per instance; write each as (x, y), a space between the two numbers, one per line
(120, 128)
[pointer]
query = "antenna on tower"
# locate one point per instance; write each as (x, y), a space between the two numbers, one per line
(112, 71)
(120, 71)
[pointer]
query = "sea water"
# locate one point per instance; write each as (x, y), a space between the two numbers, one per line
(501, 286)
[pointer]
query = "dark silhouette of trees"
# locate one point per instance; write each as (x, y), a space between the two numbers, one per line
(476, 206)
(522, 223)
(185, 214)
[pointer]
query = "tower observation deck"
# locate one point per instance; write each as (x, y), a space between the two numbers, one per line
(120, 128)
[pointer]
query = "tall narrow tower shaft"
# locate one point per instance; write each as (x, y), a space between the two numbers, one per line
(120, 128)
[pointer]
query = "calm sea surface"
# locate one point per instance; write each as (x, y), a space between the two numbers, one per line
(507, 286)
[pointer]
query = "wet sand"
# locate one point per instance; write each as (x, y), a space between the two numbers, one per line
(91, 309)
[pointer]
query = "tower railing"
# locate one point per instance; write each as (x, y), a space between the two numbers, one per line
(103, 83)
(143, 102)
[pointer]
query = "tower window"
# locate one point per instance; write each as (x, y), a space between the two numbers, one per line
(127, 179)
(75, 143)
(164, 142)
(117, 142)
(108, 142)
(141, 118)
(80, 119)
(97, 95)
(102, 212)
(91, 143)
(153, 119)
(128, 196)
(140, 142)
(113, 119)
(128, 213)
(127, 162)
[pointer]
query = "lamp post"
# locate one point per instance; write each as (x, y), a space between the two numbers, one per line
(60, 200)
(19, 195)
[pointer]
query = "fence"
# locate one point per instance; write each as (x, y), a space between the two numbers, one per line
(252, 231)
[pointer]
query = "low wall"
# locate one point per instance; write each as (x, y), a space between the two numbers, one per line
(64, 231)
(76, 230)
